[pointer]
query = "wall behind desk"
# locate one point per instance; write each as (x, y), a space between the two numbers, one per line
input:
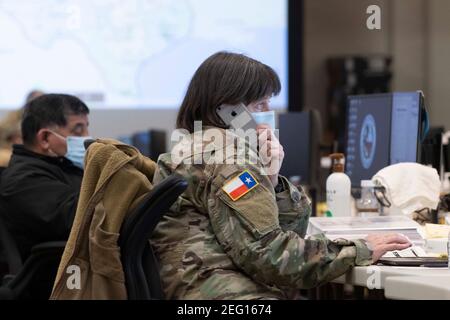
(416, 33)
(438, 68)
(114, 123)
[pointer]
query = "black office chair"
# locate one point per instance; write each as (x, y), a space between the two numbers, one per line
(139, 263)
(10, 253)
(34, 278)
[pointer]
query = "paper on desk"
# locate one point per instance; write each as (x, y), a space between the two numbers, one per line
(411, 252)
(433, 231)
(359, 227)
(363, 223)
(413, 236)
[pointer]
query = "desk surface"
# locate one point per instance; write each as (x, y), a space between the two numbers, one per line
(376, 276)
(430, 287)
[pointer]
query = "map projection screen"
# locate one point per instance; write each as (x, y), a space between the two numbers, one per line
(131, 53)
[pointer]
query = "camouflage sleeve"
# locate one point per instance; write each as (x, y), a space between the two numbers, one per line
(294, 208)
(248, 229)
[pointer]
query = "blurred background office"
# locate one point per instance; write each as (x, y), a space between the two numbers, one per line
(131, 61)
(10, 132)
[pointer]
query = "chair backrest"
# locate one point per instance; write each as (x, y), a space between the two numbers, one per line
(138, 260)
(35, 279)
(8, 246)
(9, 249)
(32, 279)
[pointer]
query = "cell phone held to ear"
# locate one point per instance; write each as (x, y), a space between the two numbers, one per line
(236, 116)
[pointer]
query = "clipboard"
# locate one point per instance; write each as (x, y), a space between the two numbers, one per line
(432, 262)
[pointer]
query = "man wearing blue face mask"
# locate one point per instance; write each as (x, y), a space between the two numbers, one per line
(40, 188)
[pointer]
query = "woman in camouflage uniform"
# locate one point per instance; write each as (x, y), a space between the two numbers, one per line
(238, 232)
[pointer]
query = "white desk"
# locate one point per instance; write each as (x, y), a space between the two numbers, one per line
(366, 276)
(428, 287)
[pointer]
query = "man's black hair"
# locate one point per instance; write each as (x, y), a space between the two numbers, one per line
(48, 110)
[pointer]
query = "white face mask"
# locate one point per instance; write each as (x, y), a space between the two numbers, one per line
(75, 149)
(266, 117)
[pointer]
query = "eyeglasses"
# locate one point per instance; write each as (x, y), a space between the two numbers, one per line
(56, 134)
(380, 193)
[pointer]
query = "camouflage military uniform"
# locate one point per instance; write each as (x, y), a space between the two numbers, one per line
(211, 247)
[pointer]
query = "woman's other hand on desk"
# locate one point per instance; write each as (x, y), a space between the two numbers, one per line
(382, 243)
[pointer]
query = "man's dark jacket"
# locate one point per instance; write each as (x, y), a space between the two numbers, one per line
(39, 195)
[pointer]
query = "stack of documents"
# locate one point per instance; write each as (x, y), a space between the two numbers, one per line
(437, 236)
(411, 252)
(436, 231)
(359, 227)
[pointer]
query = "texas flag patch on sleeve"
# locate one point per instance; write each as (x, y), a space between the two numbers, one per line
(240, 185)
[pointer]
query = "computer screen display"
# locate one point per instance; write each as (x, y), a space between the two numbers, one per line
(382, 130)
(368, 136)
(295, 128)
(141, 141)
(151, 143)
(405, 127)
(127, 139)
(131, 53)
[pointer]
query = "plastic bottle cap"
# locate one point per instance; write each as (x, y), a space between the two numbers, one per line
(338, 160)
(325, 162)
(367, 184)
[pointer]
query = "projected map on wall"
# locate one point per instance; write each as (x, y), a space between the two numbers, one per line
(130, 53)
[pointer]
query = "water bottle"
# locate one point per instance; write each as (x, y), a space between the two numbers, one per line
(368, 204)
(338, 189)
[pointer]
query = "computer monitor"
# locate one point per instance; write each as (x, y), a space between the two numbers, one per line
(300, 138)
(125, 139)
(150, 143)
(368, 134)
(382, 129)
(141, 140)
(405, 128)
(433, 152)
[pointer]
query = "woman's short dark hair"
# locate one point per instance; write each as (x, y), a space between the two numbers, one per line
(225, 78)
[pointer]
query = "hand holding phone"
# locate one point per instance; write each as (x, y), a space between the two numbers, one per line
(236, 116)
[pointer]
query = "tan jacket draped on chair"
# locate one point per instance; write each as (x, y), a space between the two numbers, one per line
(116, 179)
